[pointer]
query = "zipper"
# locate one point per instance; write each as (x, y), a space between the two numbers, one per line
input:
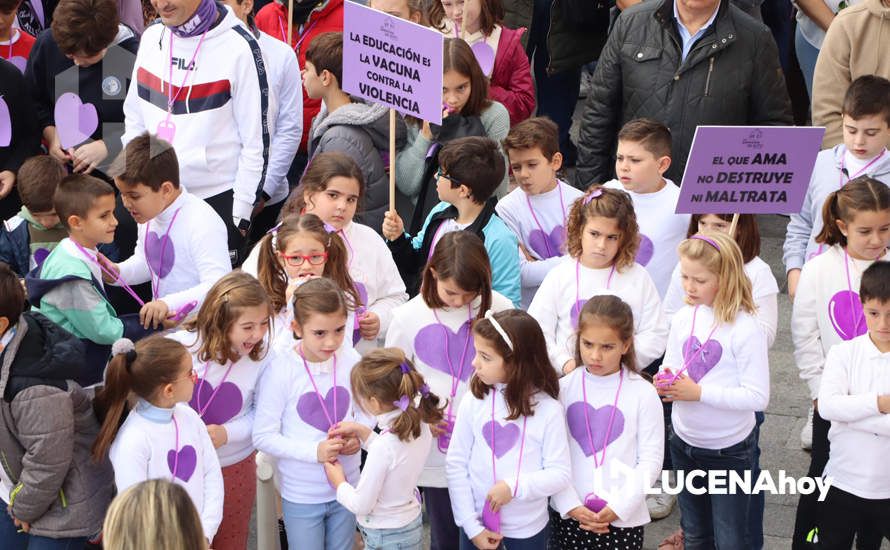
(547, 39)
(708, 81)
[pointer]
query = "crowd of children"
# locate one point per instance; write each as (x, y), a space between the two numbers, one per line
(496, 355)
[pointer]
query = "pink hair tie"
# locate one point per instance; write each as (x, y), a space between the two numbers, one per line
(595, 194)
(708, 240)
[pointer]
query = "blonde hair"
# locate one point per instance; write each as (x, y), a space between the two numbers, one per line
(725, 261)
(153, 514)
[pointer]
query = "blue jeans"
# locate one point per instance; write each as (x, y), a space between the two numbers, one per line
(535, 542)
(324, 526)
(409, 537)
(710, 521)
(11, 539)
(806, 58)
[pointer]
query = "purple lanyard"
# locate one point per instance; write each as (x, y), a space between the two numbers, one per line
(562, 204)
(201, 410)
(321, 402)
(455, 376)
(342, 234)
(611, 417)
(189, 69)
(686, 359)
(578, 281)
(110, 273)
(850, 294)
(156, 286)
(303, 34)
(494, 473)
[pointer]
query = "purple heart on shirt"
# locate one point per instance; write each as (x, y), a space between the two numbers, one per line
(646, 250)
(218, 408)
(311, 412)
(547, 245)
(436, 344)
(5, 124)
(75, 120)
(576, 311)
(20, 62)
(40, 255)
(185, 466)
(160, 253)
(363, 298)
(599, 425)
(505, 437)
(701, 362)
(845, 312)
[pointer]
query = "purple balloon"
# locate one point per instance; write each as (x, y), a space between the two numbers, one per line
(185, 466)
(75, 121)
(845, 313)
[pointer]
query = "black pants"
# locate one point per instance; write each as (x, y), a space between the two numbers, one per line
(844, 515)
(566, 534)
(222, 204)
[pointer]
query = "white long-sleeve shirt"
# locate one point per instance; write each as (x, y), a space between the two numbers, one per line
(546, 242)
(553, 307)
(545, 469)
(636, 441)
(764, 290)
(856, 373)
(732, 369)
(290, 422)
(186, 261)
(416, 329)
(661, 230)
(231, 406)
(820, 316)
(386, 494)
(145, 448)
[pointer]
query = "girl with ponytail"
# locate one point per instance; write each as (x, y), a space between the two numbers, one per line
(385, 502)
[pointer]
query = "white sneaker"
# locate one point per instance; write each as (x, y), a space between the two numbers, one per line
(660, 505)
(806, 434)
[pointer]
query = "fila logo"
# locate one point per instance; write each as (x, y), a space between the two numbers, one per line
(181, 64)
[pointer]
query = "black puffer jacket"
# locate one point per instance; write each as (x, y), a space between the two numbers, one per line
(730, 77)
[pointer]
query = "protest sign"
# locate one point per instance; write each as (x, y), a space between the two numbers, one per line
(749, 170)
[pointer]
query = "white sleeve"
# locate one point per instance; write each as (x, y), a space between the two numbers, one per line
(805, 333)
(457, 470)
(391, 288)
(249, 97)
(134, 125)
(797, 235)
(545, 309)
(752, 360)
(768, 317)
(360, 500)
(271, 401)
(240, 430)
(211, 515)
(650, 336)
(673, 298)
(836, 403)
(288, 128)
(134, 270)
(208, 242)
(556, 466)
(130, 458)
(878, 425)
(533, 273)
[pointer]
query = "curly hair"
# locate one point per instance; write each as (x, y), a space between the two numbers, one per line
(606, 203)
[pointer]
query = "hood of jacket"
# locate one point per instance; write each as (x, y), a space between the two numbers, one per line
(878, 8)
(323, 8)
(373, 118)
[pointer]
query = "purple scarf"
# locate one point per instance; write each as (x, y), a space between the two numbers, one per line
(200, 22)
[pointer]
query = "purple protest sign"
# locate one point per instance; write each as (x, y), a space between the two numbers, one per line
(749, 169)
(392, 62)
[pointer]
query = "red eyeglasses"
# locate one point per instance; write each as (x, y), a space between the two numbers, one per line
(296, 260)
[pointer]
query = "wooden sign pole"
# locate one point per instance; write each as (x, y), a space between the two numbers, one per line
(290, 22)
(733, 225)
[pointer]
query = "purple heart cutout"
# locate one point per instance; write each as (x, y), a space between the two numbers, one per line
(40, 255)
(75, 121)
(594, 503)
(20, 62)
(547, 245)
(505, 437)
(188, 461)
(220, 408)
(5, 124)
(845, 312)
(430, 346)
(310, 411)
(646, 250)
(701, 361)
(599, 425)
(160, 253)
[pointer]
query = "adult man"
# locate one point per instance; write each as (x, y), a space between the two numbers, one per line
(199, 83)
(685, 63)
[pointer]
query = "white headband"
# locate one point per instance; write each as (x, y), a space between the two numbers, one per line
(497, 326)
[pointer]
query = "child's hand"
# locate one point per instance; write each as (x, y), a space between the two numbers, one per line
(568, 366)
(23, 525)
(499, 495)
(218, 435)
(369, 325)
(334, 471)
(393, 226)
(440, 428)
(426, 132)
(584, 517)
(88, 156)
(328, 450)
(793, 279)
(351, 445)
(683, 389)
(108, 266)
(350, 429)
(604, 518)
(884, 404)
(487, 540)
(153, 314)
(524, 251)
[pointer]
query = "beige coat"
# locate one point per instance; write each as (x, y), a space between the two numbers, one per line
(857, 44)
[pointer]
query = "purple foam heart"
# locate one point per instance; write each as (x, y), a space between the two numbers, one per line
(599, 425)
(222, 407)
(160, 253)
(646, 250)
(845, 312)
(20, 62)
(363, 297)
(5, 124)
(505, 437)
(188, 460)
(594, 503)
(547, 245)
(701, 361)
(430, 347)
(310, 411)
(40, 255)
(491, 520)
(444, 438)
(75, 121)
(484, 55)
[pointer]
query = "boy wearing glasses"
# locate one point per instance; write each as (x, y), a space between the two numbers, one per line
(182, 242)
(470, 170)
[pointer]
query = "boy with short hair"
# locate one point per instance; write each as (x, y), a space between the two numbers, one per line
(855, 396)
(470, 170)
(345, 124)
(28, 237)
(537, 209)
(866, 129)
(182, 246)
(643, 156)
(67, 288)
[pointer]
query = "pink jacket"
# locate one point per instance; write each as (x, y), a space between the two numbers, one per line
(511, 78)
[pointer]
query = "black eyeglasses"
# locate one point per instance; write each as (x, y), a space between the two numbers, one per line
(441, 174)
